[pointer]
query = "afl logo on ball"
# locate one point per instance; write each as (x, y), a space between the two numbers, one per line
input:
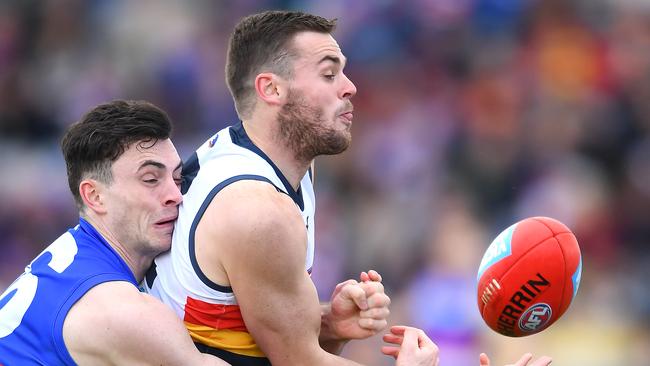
(535, 318)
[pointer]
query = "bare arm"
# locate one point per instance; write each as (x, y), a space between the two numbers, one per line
(262, 247)
(128, 328)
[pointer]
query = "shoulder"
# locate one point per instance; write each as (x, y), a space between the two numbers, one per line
(250, 218)
(252, 208)
(108, 308)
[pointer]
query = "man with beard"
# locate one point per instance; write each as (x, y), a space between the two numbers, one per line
(239, 270)
(238, 273)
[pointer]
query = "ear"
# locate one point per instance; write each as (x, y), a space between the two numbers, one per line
(90, 191)
(270, 88)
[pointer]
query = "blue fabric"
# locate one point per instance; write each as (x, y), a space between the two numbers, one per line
(42, 296)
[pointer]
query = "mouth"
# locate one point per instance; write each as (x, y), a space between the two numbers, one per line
(347, 117)
(166, 223)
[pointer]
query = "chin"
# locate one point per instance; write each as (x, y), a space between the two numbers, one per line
(164, 242)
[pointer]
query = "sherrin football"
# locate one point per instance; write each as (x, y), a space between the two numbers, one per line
(528, 276)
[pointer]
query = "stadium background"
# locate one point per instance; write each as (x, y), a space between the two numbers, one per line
(470, 115)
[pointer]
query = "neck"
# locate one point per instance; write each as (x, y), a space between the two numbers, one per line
(277, 150)
(139, 264)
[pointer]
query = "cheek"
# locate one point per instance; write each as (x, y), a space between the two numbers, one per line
(327, 108)
(321, 99)
(132, 205)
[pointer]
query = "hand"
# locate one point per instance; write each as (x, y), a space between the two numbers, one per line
(523, 361)
(358, 309)
(415, 347)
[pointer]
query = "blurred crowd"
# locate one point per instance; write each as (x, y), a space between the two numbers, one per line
(470, 115)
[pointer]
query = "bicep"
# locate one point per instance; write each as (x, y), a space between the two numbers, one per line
(280, 307)
(278, 300)
(128, 328)
(163, 339)
(259, 239)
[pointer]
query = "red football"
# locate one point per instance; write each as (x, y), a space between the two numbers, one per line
(528, 276)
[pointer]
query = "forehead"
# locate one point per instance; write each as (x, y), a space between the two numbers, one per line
(313, 46)
(162, 151)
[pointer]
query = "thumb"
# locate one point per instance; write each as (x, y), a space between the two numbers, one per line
(483, 360)
(355, 293)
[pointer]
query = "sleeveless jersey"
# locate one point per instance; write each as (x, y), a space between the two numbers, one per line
(209, 310)
(33, 308)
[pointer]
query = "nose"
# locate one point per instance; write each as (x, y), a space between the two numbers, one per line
(173, 196)
(349, 89)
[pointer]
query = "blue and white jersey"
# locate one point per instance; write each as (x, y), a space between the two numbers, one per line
(34, 307)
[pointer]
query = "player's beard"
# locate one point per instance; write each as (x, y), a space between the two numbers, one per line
(304, 129)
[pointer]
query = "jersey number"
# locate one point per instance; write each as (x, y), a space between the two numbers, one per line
(15, 301)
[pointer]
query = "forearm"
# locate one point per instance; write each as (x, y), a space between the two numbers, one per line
(328, 340)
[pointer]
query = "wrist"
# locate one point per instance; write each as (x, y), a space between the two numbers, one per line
(328, 338)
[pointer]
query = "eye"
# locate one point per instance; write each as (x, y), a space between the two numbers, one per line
(151, 181)
(329, 77)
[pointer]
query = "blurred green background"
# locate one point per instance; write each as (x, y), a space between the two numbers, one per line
(470, 115)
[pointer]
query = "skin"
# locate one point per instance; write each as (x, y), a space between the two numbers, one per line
(259, 247)
(135, 214)
(523, 361)
(414, 348)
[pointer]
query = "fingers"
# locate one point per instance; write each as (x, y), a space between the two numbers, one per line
(373, 312)
(410, 345)
(376, 297)
(396, 337)
(410, 340)
(523, 361)
(542, 361)
(374, 275)
(372, 287)
(355, 293)
(377, 305)
(483, 360)
(416, 342)
(364, 277)
(398, 329)
(390, 351)
(424, 342)
(390, 338)
(340, 286)
(366, 295)
(371, 275)
(372, 325)
(375, 317)
(409, 337)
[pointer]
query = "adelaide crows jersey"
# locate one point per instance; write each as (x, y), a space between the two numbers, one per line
(210, 310)
(34, 307)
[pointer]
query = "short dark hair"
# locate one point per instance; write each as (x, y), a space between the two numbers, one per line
(263, 41)
(91, 145)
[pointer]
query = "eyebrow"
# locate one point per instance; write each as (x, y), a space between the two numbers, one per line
(334, 59)
(158, 165)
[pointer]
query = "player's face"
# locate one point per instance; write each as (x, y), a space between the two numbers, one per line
(317, 116)
(144, 196)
